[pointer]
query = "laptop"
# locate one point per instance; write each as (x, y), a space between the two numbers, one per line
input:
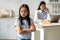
(54, 18)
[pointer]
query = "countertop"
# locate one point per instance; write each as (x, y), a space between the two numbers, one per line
(47, 25)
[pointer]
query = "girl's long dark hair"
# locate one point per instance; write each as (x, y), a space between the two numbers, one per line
(27, 17)
(42, 2)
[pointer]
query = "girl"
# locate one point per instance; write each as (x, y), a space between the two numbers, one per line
(24, 24)
(42, 13)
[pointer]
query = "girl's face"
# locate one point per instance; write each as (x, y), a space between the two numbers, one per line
(42, 7)
(23, 12)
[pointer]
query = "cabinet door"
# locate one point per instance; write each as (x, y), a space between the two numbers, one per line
(7, 29)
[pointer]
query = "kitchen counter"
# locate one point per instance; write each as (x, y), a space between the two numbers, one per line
(47, 25)
(47, 31)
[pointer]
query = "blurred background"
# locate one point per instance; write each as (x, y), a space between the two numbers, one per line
(9, 10)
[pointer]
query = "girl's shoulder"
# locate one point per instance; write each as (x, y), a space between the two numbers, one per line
(17, 19)
(17, 22)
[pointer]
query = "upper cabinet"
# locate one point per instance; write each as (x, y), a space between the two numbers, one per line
(54, 6)
(53, 0)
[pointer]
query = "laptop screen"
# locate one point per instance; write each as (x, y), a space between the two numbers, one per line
(54, 18)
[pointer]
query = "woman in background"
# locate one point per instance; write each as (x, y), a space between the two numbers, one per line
(42, 13)
(24, 24)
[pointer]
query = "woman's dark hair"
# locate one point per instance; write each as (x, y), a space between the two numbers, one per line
(42, 2)
(27, 17)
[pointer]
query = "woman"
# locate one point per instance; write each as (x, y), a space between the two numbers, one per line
(24, 24)
(42, 13)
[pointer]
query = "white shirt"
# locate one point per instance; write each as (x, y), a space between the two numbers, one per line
(39, 16)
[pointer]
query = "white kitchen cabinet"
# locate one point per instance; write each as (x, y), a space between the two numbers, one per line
(7, 29)
(54, 6)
